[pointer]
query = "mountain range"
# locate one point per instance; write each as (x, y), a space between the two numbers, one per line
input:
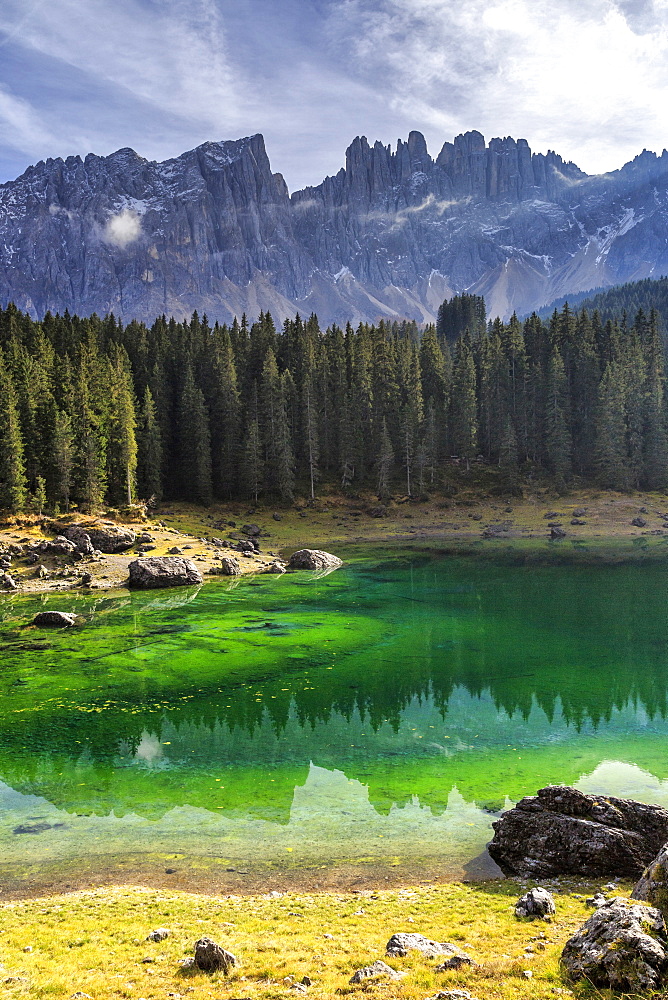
(391, 235)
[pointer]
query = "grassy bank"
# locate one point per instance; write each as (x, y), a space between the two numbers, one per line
(95, 942)
(470, 522)
(461, 523)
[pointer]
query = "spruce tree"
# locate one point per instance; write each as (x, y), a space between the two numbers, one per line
(89, 440)
(463, 405)
(149, 450)
(194, 443)
(253, 465)
(508, 457)
(557, 435)
(12, 468)
(62, 459)
(121, 426)
(385, 462)
(225, 420)
(311, 442)
(610, 450)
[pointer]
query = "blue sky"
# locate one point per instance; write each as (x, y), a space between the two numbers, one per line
(588, 78)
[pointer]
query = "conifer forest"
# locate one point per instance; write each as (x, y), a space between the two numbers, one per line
(93, 411)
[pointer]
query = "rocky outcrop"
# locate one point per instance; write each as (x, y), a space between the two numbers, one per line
(107, 538)
(54, 619)
(211, 957)
(623, 946)
(313, 559)
(653, 883)
(391, 235)
(536, 902)
(163, 571)
(561, 830)
(58, 546)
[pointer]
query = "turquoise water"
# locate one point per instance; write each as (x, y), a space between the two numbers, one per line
(374, 720)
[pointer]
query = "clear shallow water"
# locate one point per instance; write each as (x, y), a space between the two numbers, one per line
(371, 721)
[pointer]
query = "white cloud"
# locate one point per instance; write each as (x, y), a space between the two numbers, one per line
(574, 76)
(21, 126)
(588, 78)
(170, 54)
(122, 229)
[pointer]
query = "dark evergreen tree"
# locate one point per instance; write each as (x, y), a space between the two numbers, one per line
(149, 440)
(463, 405)
(12, 468)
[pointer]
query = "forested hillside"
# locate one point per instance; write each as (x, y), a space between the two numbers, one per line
(648, 294)
(95, 411)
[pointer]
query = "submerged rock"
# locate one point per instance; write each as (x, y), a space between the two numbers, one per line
(623, 946)
(210, 957)
(562, 831)
(314, 559)
(536, 902)
(54, 619)
(276, 567)
(163, 571)
(378, 968)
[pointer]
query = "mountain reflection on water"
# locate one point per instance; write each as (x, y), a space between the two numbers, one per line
(409, 699)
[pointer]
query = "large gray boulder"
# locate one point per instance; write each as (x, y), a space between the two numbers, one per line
(622, 946)
(107, 538)
(562, 831)
(314, 559)
(653, 883)
(210, 957)
(400, 944)
(163, 571)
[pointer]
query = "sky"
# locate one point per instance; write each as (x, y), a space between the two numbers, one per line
(587, 78)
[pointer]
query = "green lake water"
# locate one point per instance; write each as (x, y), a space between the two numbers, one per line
(370, 722)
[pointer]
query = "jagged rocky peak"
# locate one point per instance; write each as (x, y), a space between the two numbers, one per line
(390, 235)
(468, 167)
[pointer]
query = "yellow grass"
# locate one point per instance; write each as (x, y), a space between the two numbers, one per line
(95, 942)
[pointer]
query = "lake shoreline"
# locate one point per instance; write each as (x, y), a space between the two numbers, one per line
(202, 876)
(466, 526)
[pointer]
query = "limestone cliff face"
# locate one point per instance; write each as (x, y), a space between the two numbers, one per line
(390, 235)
